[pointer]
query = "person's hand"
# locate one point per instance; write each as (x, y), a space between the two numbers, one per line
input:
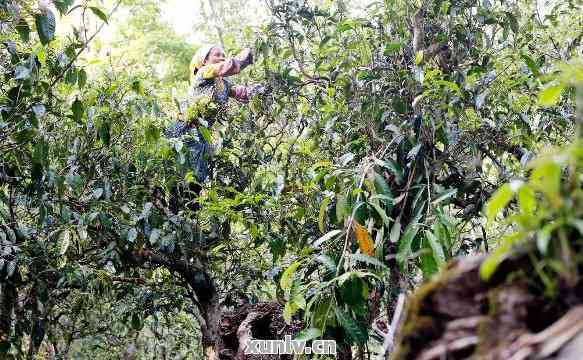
(245, 57)
(257, 90)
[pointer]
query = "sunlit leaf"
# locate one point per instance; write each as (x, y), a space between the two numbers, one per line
(287, 277)
(526, 199)
(490, 265)
(321, 240)
(550, 96)
(419, 57)
(288, 311)
(498, 201)
(65, 242)
(392, 48)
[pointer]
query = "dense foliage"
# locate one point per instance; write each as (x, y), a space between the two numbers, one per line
(362, 171)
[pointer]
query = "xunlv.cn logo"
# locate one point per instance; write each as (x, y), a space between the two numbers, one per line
(289, 346)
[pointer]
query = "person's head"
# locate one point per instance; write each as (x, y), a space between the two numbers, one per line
(209, 54)
(215, 55)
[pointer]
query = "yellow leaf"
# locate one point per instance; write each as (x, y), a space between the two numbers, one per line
(365, 242)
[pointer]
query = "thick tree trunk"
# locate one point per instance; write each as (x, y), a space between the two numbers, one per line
(212, 313)
(460, 316)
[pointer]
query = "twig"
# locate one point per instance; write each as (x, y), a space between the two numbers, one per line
(87, 41)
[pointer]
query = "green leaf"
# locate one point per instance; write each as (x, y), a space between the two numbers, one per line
(206, 134)
(392, 48)
(63, 5)
(419, 57)
(355, 332)
(547, 178)
(287, 277)
(82, 78)
(136, 322)
(381, 213)
(23, 30)
(444, 196)
(352, 292)
(288, 311)
(139, 88)
(367, 259)
(340, 208)
(45, 27)
(10, 268)
(543, 236)
(97, 193)
(65, 242)
(428, 266)
(325, 238)
(327, 261)
(99, 13)
(405, 243)
(71, 76)
(77, 108)
(550, 96)
(104, 132)
(498, 201)
(490, 265)
(395, 231)
(393, 168)
(322, 215)
(154, 236)
(526, 199)
(152, 133)
(132, 235)
(438, 253)
(512, 22)
(381, 185)
(299, 301)
(309, 334)
(532, 66)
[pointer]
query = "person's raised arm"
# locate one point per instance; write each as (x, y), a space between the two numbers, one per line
(227, 67)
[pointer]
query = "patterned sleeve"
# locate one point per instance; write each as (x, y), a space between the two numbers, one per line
(224, 68)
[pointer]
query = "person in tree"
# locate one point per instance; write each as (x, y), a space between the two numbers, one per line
(210, 93)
